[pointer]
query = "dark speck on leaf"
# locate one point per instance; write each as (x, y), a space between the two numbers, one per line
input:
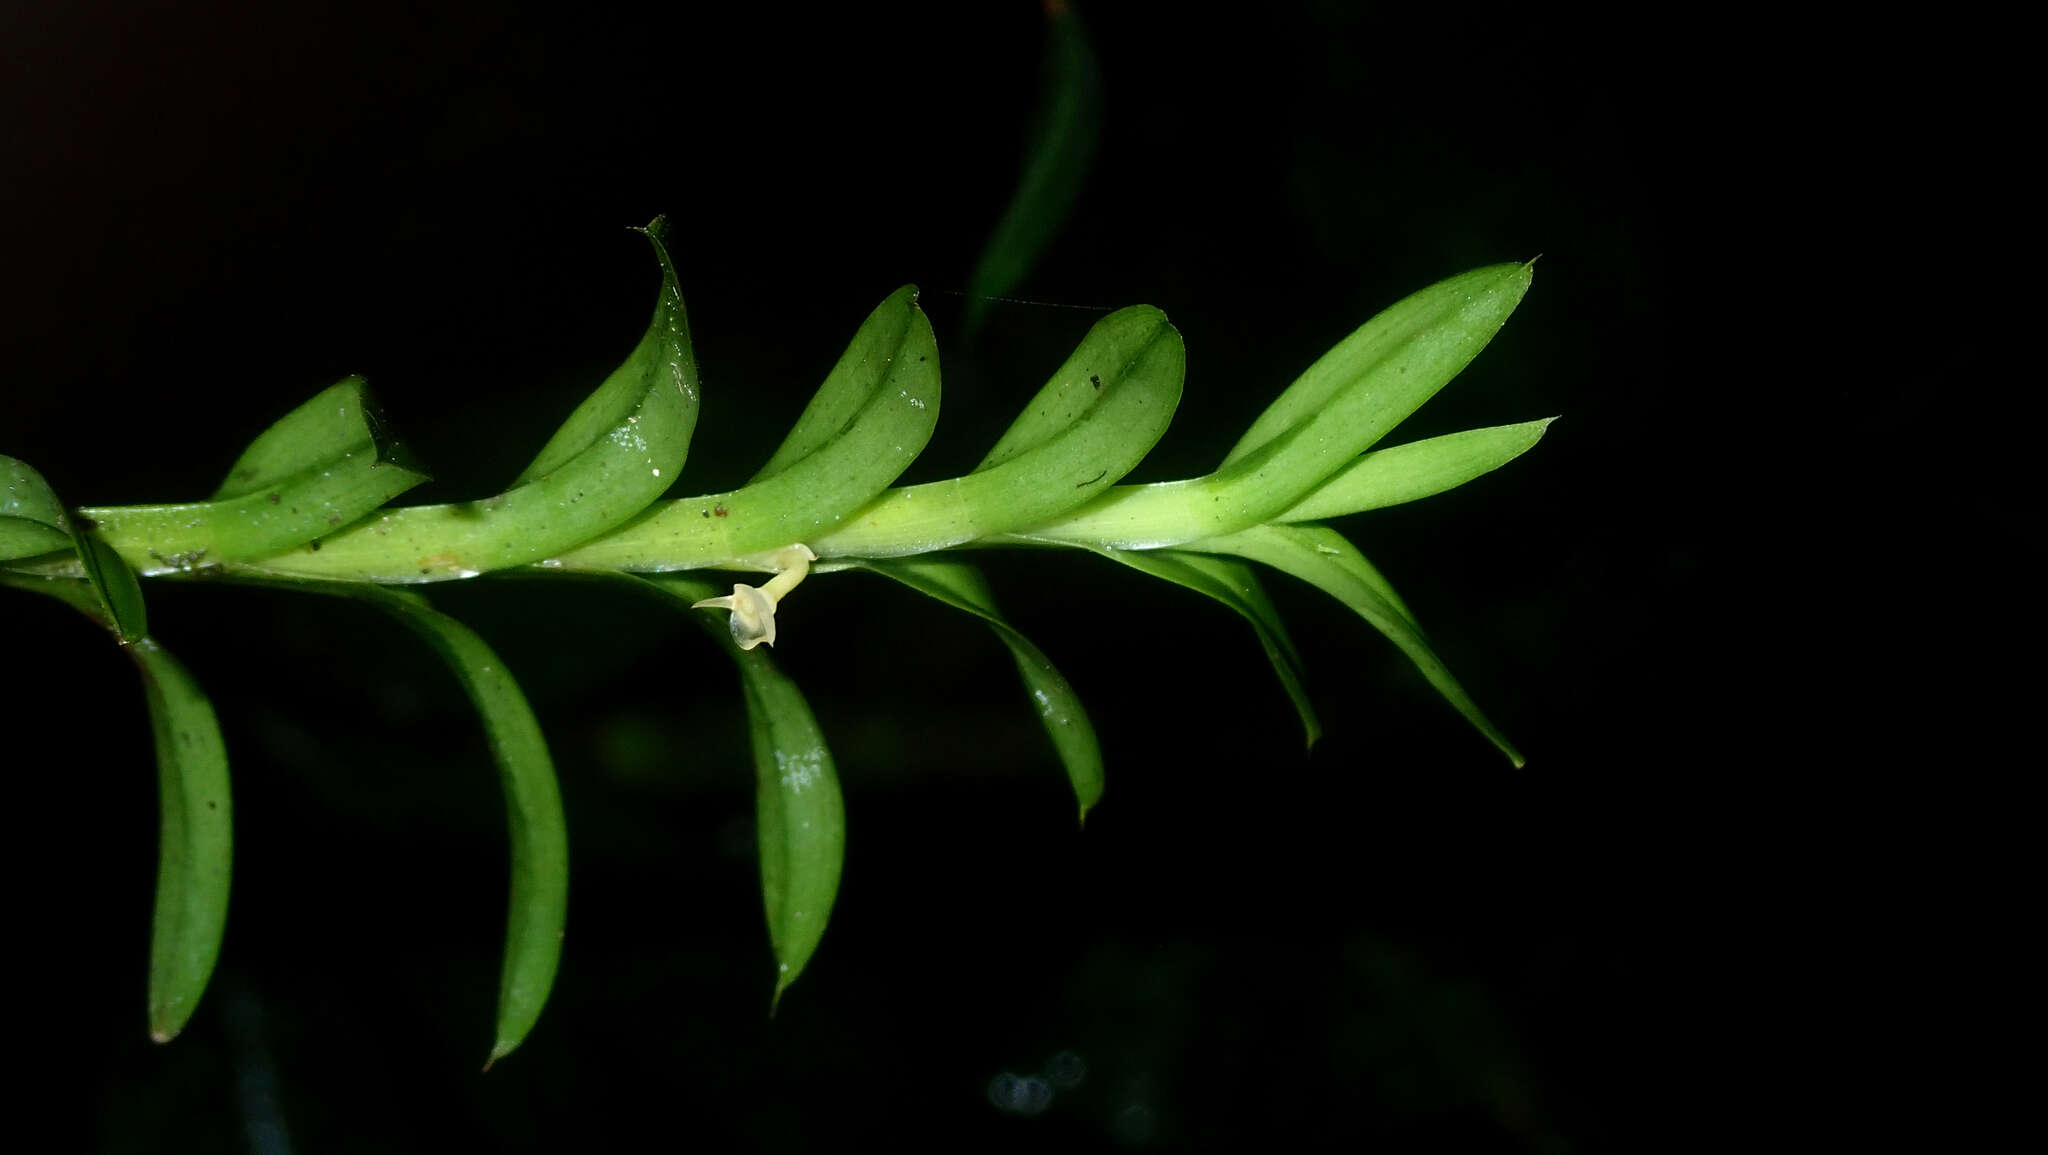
(719, 510)
(1095, 379)
(274, 499)
(316, 545)
(707, 513)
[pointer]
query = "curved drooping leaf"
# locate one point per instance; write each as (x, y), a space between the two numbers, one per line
(537, 910)
(1104, 409)
(1321, 557)
(800, 815)
(1235, 585)
(1062, 149)
(961, 586)
(195, 850)
(322, 466)
(862, 429)
(1419, 469)
(32, 520)
(1337, 409)
(615, 455)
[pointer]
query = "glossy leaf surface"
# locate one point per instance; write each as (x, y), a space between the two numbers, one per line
(961, 586)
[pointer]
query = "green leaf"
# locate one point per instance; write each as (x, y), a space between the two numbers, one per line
(32, 520)
(961, 586)
(118, 590)
(538, 907)
(1062, 150)
(322, 466)
(195, 852)
(1321, 557)
(800, 816)
(867, 423)
(615, 455)
(1235, 585)
(1092, 423)
(891, 364)
(1344, 403)
(338, 423)
(1417, 470)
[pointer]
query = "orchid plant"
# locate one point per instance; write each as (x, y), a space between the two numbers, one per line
(306, 507)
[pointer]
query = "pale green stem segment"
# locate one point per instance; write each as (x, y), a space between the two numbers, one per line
(867, 423)
(1092, 423)
(1234, 584)
(1344, 403)
(32, 521)
(1419, 469)
(1321, 557)
(800, 816)
(539, 903)
(615, 455)
(961, 586)
(323, 466)
(195, 849)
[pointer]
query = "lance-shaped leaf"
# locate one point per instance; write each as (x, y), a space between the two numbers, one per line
(1416, 470)
(615, 455)
(1062, 148)
(961, 586)
(800, 816)
(195, 851)
(1235, 585)
(1092, 423)
(1321, 557)
(195, 848)
(864, 427)
(322, 466)
(538, 906)
(1344, 403)
(32, 520)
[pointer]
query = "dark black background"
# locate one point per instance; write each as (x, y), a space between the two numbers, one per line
(209, 212)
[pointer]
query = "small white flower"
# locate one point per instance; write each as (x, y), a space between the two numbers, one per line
(753, 610)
